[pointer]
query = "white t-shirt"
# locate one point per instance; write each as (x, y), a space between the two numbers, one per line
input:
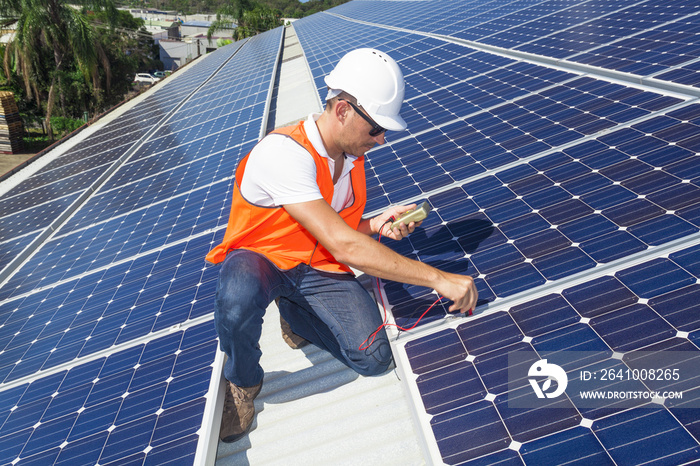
(280, 171)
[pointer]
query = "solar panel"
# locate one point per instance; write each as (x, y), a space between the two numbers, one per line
(110, 320)
(143, 402)
(642, 38)
(543, 181)
(630, 313)
(569, 191)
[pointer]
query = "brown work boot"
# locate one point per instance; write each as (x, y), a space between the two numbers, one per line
(292, 339)
(239, 411)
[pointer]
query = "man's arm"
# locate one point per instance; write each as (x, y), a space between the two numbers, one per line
(358, 250)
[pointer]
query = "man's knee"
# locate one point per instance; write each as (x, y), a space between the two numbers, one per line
(242, 281)
(233, 295)
(374, 360)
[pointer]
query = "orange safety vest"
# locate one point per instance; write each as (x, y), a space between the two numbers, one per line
(271, 231)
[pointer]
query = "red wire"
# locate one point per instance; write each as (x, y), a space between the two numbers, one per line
(372, 337)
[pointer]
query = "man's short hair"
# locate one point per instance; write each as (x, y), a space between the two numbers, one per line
(330, 103)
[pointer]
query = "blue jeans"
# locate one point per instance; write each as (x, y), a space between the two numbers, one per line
(331, 310)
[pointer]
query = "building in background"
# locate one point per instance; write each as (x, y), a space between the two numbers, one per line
(181, 38)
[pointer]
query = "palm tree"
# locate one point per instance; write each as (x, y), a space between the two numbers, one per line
(55, 29)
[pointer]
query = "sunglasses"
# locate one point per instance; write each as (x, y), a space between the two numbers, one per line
(376, 129)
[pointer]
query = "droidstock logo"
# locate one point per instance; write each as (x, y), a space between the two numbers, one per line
(552, 372)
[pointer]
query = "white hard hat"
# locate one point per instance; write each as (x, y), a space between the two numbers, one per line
(375, 80)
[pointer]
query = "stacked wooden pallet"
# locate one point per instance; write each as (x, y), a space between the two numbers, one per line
(10, 124)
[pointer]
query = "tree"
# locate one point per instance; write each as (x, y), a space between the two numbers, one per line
(250, 17)
(129, 47)
(64, 33)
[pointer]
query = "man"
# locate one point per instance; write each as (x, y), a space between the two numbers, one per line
(296, 228)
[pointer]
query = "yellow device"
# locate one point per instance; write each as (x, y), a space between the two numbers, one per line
(415, 215)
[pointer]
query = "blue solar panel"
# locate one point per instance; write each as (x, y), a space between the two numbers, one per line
(145, 401)
(571, 199)
(108, 293)
(603, 315)
(110, 307)
(538, 178)
(642, 38)
(35, 218)
(559, 221)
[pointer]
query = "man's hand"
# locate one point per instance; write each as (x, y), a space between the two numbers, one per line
(382, 223)
(460, 289)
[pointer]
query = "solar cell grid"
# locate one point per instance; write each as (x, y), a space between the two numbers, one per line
(503, 134)
(125, 236)
(617, 306)
(651, 37)
(558, 218)
(26, 221)
(132, 197)
(189, 151)
(79, 156)
(586, 28)
(131, 272)
(405, 15)
(66, 182)
(10, 248)
(18, 203)
(646, 52)
(229, 107)
(110, 306)
(138, 401)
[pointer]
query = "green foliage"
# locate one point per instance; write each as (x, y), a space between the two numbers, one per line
(129, 48)
(259, 19)
(64, 125)
(66, 61)
(287, 8)
(251, 17)
(297, 9)
(34, 144)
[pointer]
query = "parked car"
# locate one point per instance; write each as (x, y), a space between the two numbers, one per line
(145, 78)
(159, 74)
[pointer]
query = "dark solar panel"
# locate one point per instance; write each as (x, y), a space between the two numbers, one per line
(627, 312)
(120, 295)
(538, 178)
(139, 403)
(643, 38)
(572, 198)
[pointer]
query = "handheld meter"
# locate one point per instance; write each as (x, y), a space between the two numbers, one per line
(415, 215)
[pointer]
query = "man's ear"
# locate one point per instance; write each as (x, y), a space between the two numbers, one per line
(341, 110)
